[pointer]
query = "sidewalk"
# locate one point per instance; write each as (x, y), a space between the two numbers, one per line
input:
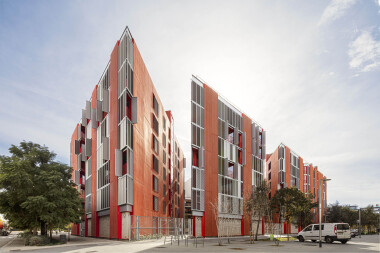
(17, 244)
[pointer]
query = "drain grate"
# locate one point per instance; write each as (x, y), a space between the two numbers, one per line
(160, 247)
(237, 248)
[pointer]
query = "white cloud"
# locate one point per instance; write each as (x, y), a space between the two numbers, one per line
(335, 10)
(364, 52)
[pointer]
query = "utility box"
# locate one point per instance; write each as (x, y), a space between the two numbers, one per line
(62, 238)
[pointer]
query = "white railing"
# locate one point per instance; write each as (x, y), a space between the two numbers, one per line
(125, 190)
(103, 198)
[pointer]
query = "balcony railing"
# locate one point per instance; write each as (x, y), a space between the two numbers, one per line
(125, 190)
(103, 198)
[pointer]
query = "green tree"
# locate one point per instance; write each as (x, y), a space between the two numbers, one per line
(370, 219)
(258, 205)
(36, 191)
(339, 213)
(295, 204)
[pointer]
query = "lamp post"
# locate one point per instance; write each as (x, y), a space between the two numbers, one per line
(320, 210)
(360, 225)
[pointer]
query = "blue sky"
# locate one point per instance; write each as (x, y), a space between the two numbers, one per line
(309, 71)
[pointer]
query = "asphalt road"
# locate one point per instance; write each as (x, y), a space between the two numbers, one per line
(368, 243)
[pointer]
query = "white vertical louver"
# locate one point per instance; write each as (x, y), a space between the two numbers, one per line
(99, 110)
(88, 147)
(93, 118)
(106, 103)
(134, 110)
(118, 162)
(201, 158)
(88, 109)
(77, 177)
(76, 147)
(236, 136)
(106, 153)
(79, 131)
(84, 119)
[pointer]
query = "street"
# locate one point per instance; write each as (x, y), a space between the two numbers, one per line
(368, 243)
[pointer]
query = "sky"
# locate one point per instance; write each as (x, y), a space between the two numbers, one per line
(307, 71)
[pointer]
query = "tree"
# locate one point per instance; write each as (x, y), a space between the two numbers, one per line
(36, 191)
(296, 205)
(215, 209)
(370, 219)
(339, 213)
(258, 204)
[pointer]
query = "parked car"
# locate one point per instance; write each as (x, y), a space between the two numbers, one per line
(354, 232)
(330, 232)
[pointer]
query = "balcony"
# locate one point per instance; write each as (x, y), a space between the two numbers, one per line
(103, 198)
(125, 190)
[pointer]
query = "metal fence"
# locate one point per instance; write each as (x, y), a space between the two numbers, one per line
(150, 227)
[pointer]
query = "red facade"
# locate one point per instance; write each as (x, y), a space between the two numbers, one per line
(131, 137)
(308, 175)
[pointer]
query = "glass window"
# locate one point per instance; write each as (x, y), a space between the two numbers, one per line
(155, 124)
(155, 144)
(155, 163)
(342, 226)
(155, 105)
(308, 228)
(155, 183)
(155, 203)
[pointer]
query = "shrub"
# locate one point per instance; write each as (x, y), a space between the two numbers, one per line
(37, 240)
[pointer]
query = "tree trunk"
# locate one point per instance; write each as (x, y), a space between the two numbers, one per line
(287, 229)
(34, 231)
(51, 232)
(43, 228)
(251, 231)
(257, 228)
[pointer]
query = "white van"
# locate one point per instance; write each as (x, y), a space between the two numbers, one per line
(330, 232)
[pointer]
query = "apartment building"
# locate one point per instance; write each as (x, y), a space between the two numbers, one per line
(228, 154)
(127, 161)
(285, 168)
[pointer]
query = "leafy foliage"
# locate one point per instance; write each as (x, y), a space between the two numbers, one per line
(342, 213)
(35, 190)
(296, 205)
(258, 205)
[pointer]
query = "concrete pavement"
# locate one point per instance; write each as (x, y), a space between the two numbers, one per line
(368, 243)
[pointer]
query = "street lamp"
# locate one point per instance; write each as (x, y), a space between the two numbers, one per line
(320, 209)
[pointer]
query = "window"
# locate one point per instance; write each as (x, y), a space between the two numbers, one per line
(163, 157)
(341, 227)
(164, 189)
(164, 140)
(155, 183)
(316, 227)
(155, 124)
(103, 175)
(155, 105)
(155, 203)
(164, 171)
(269, 175)
(164, 207)
(155, 163)
(155, 145)
(164, 123)
(308, 228)
(294, 170)
(269, 166)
